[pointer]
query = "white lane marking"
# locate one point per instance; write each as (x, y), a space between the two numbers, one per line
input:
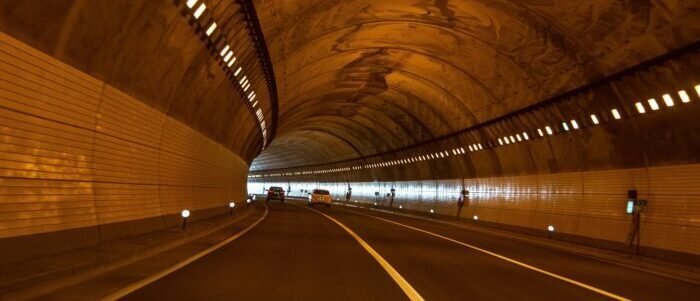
(405, 286)
(513, 261)
(146, 281)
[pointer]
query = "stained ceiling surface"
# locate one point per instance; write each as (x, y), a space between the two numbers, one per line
(356, 78)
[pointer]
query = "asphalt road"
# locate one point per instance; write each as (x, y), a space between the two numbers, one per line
(299, 254)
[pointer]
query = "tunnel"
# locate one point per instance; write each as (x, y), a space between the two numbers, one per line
(464, 149)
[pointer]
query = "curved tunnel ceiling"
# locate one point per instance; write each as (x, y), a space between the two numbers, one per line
(356, 78)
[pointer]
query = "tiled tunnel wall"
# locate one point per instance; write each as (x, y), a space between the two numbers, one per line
(77, 153)
(583, 204)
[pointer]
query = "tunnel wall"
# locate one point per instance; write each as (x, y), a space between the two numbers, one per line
(585, 206)
(83, 162)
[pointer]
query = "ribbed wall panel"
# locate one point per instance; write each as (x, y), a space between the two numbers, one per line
(75, 152)
(588, 204)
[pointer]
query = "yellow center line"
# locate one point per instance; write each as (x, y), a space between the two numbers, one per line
(146, 281)
(513, 261)
(405, 286)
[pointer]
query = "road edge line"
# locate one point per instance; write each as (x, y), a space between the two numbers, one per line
(410, 292)
(150, 279)
(508, 259)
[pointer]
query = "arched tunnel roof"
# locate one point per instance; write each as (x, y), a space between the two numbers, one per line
(357, 78)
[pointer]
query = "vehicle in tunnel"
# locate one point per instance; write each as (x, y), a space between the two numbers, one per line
(320, 196)
(275, 193)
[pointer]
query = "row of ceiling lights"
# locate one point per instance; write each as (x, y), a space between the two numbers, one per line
(229, 59)
(547, 130)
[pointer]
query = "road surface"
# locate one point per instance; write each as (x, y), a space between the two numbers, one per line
(301, 254)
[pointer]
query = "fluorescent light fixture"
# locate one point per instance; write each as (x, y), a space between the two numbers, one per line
(211, 28)
(668, 100)
(500, 142)
(512, 139)
(565, 126)
(526, 136)
(242, 80)
(245, 88)
(199, 11)
(594, 119)
(230, 63)
(615, 114)
(470, 148)
(254, 104)
(518, 137)
(549, 130)
(191, 3)
(480, 146)
(506, 140)
(539, 131)
(238, 71)
(228, 56)
(640, 108)
(653, 104)
(574, 124)
(251, 99)
(684, 96)
(697, 89)
(224, 51)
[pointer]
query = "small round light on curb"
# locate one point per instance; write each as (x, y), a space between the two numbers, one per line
(432, 211)
(185, 214)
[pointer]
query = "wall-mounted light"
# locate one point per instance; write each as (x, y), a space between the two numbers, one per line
(668, 101)
(615, 114)
(224, 51)
(198, 12)
(211, 28)
(640, 108)
(594, 119)
(653, 104)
